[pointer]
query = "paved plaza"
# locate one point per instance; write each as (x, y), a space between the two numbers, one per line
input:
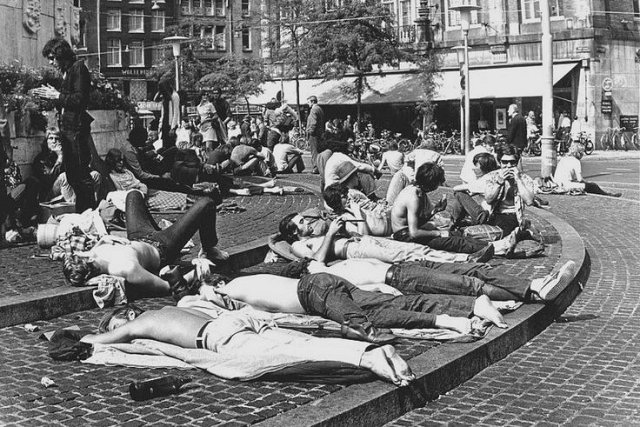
(581, 370)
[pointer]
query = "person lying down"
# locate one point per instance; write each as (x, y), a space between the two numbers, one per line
(243, 347)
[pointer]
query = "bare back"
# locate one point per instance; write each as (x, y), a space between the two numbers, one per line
(266, 292)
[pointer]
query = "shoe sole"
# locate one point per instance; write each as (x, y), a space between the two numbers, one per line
(551, 290)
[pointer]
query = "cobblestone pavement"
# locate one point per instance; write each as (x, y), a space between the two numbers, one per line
(583, 369)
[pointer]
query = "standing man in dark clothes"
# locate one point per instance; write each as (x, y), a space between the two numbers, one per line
(75, 123)
(315, 129)
(517, 129)
(170, 113)
(223, 108)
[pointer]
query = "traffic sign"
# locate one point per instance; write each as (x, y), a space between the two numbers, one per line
(607, 84)
(606, 106)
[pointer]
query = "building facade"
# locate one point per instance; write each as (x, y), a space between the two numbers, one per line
(596, 54)
(125, 41)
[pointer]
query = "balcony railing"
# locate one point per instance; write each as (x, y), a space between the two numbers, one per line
(406, 34)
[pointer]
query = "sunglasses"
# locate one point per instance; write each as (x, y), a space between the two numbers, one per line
(509, 162)
(51, 57)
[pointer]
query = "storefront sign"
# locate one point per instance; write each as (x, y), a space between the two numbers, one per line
(149, 105)
(629, 123)
(606, 106)
(242, 109)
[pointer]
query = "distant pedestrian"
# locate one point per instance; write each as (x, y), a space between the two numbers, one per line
(169, 113)
(75, 123)
(517, 128)
(315, 129)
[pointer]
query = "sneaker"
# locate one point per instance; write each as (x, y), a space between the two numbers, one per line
(553, 284)
(214, 254)
(483, 255)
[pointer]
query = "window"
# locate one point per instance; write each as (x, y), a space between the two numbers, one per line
(636, 9)
(405, 13)
(136, 21)
(138, 90)
(220, 7)
(246, 38)
(219, 39)
(157, 20)
(185, 7)
(531, 9)
(114, 55)
(453, 16)
(136, 1)
(196, 7)
(245, 7)
(113, 20)
(136, 54)
(208, 8)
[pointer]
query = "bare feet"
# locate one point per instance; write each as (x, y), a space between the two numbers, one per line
(461, 325)
(386, 363)
(485, 309)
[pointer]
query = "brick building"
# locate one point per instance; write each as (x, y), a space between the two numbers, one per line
(124, 41)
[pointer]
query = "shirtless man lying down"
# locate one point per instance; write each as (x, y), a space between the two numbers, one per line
(191, 328)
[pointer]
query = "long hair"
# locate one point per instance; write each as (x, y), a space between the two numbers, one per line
(288, 229)
(103, 326)
(60, 49)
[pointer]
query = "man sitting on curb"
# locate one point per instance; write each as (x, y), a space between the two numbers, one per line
(412, 210)
(238, 333)
(139, 258)
(443, 278)
(295, 229)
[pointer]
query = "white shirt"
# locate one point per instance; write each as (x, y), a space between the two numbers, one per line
(394, 159)
(467, 174)
(423, 155)
(281, 153)
(569, 170)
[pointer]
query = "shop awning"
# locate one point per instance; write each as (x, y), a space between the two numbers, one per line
(492, 82)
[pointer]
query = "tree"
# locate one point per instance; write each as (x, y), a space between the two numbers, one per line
(429, 64)
(356, 38)
(237, 76)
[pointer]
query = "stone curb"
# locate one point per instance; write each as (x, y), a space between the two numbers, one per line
(450, 365)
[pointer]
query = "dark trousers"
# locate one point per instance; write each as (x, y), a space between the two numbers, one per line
(458, 244)
(465, 204)
(337, 299)
(473, 279)
(76, 157)
(294, 161)
(200, 217)
(313, 149)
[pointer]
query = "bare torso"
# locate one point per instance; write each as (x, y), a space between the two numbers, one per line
(111, 257)
(306, 248)
(399, 212)
(364, 271)
(265, 292)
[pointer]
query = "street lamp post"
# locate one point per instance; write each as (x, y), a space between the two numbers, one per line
(175, 45)
(465, 10)
(463, 112)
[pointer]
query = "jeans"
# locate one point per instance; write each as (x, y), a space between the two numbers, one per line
(313, 148)
(398, 182)
(464, 204)
(497, 286)
(76, 156)
(413, 278)
(200, 217)
(295, 161)
(458, 244)
(337, 299)
(392, 251)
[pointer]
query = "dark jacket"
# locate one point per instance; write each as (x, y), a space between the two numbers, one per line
(517, 131)
(74, 98)
(315, 121)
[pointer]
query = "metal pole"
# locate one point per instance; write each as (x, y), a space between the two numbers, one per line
(177, 74)
(466, 142)
(549, 158)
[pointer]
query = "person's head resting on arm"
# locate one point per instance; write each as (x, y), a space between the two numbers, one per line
(119, 317)
(429, 177)
(78, 269)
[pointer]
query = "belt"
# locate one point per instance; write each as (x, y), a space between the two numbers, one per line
(388, 278)
(200, 340)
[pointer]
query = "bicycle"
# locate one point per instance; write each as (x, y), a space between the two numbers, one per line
(585, 139)
(613, 139)
(562, 141)
(534, 145)
(453, 144)
(635, 138)
(299, 140)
